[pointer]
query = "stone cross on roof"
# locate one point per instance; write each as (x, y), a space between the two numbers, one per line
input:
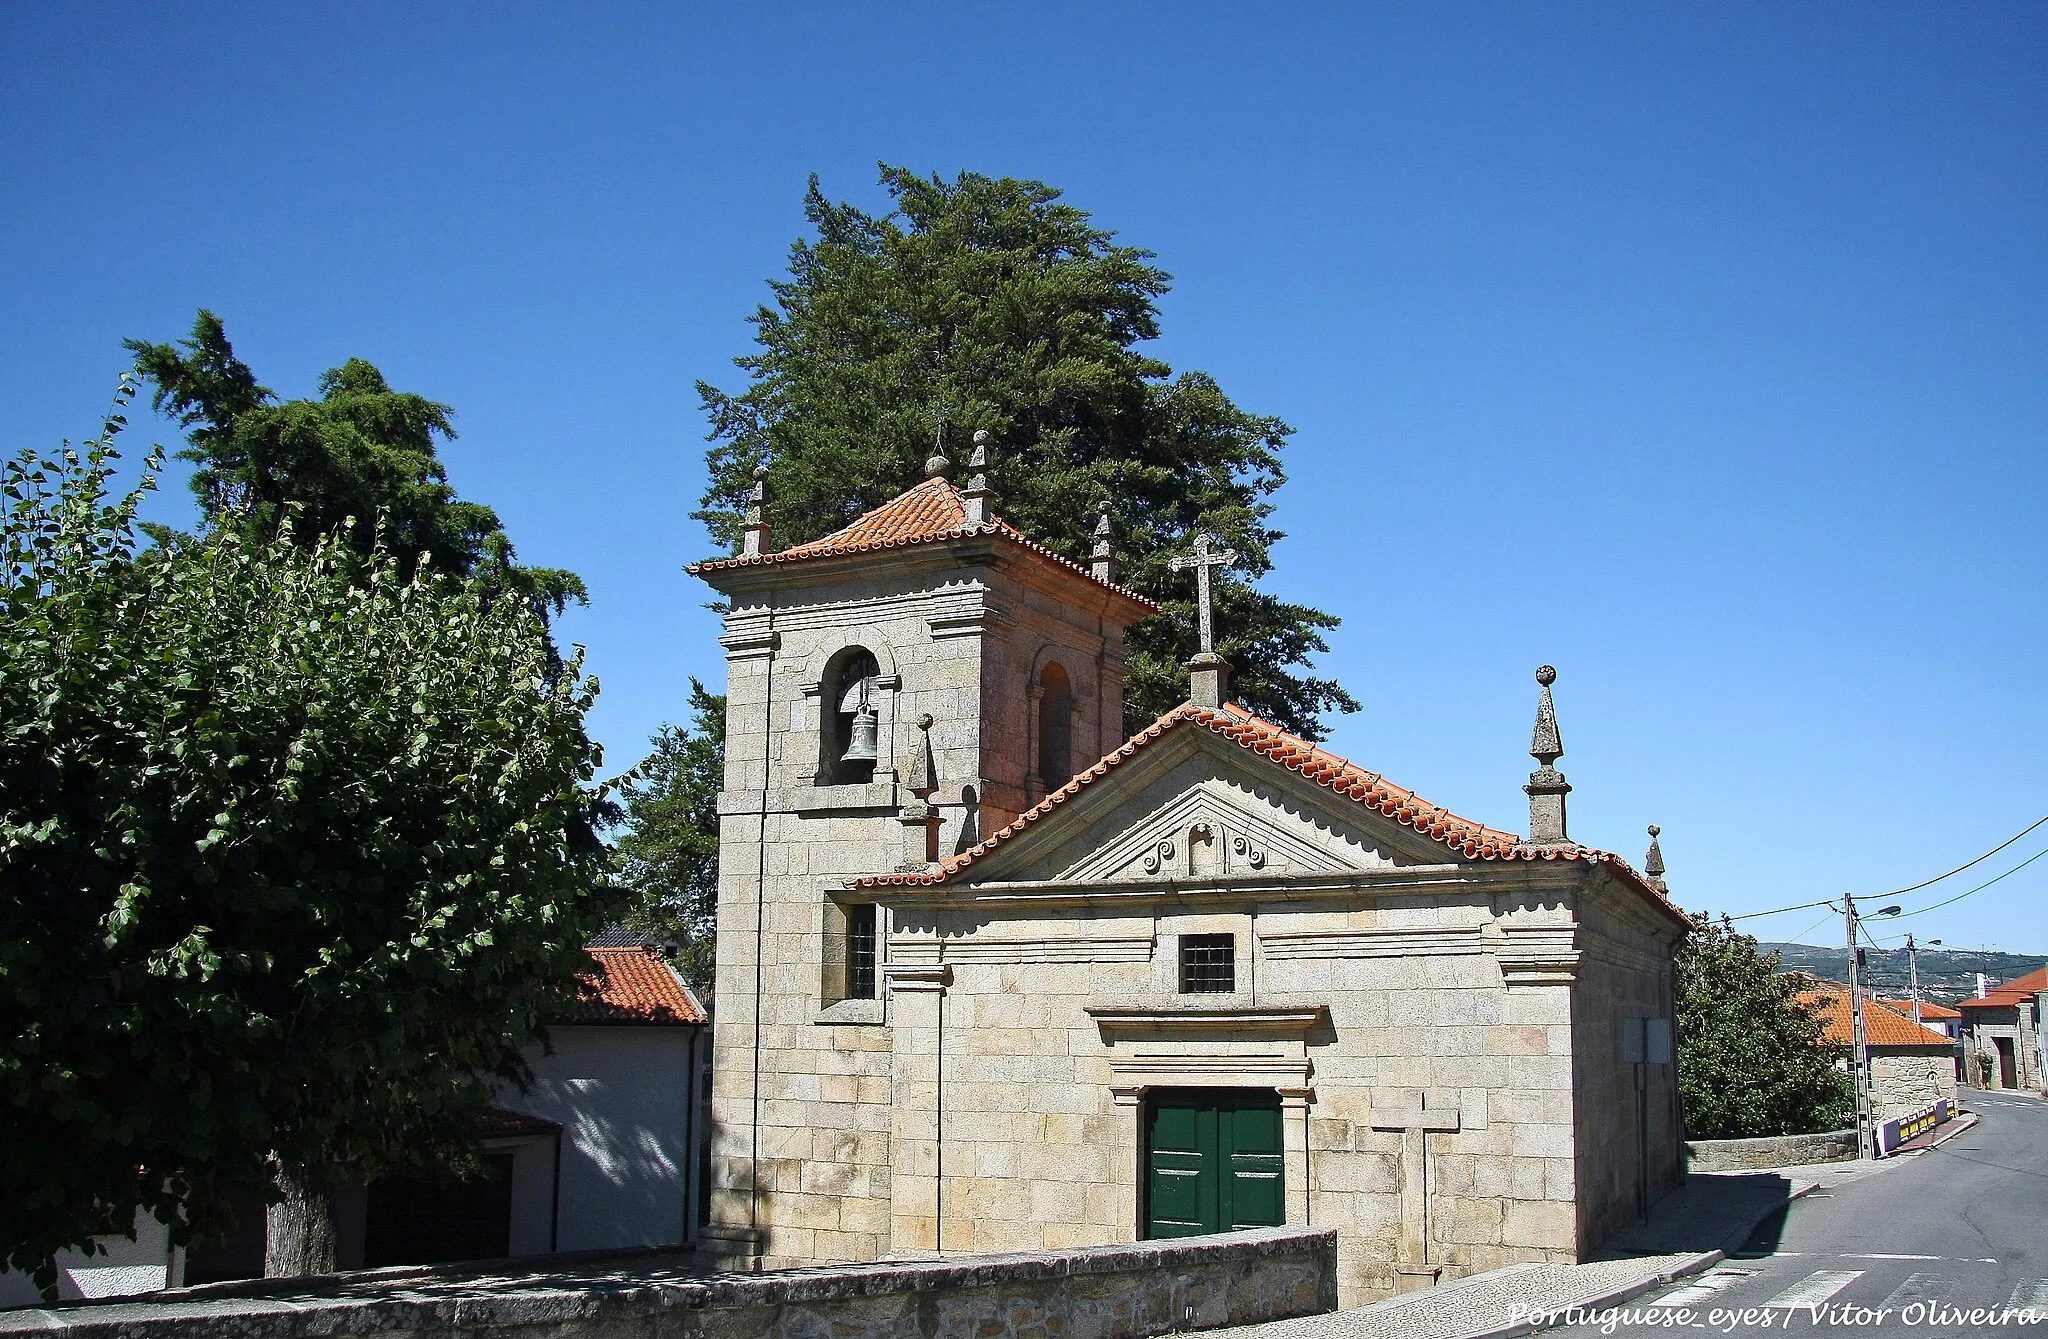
(1202, 559)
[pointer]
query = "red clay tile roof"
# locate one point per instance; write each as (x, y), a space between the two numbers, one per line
(1883, 1025)
(1929, 1010)
(929, 513)
(636, 985)
(2015, 991)
(1465, 838)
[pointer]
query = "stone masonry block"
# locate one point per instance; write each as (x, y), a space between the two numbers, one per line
(1543, 1141)
(1546, 1223)
(1469, 1221)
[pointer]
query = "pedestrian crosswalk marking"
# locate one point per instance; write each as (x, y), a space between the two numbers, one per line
(1916, 1288)
(1816, 1288)
(2031, 1295)
(1704, 1287)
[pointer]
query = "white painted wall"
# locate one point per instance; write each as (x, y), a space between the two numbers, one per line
(127, 1268)
(625, 1098)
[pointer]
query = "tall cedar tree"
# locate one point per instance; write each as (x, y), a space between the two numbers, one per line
(297, 850)
(668, 854)
(1751, 1061)
(996, 301)
(359, 461)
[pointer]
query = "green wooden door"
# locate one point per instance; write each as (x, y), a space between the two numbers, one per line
(1213, 1161)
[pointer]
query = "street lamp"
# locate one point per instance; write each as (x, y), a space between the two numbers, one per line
(1913, 965)
(1860, 1056)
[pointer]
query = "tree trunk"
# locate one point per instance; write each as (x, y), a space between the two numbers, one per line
(298, 1236)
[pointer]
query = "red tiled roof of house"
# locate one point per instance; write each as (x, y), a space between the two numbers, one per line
(637, 986)
(1883, 1024)
(2018, 989)
(929, 513)
(1929, 1010)
(1473, 841)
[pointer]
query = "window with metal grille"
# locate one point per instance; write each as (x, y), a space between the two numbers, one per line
(1208, 964)
(860, 951)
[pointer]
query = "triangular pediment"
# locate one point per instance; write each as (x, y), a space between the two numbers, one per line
(1217, 829)
(1195, 805)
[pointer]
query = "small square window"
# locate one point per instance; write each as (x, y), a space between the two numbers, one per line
(1208, 964)
(860, 951)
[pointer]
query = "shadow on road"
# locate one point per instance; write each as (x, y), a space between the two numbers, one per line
(1712, 1211)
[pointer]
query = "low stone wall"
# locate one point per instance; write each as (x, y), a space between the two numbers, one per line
(1101, 1292)
(1786, 1150)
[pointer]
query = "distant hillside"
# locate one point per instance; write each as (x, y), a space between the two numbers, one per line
(1944, 976)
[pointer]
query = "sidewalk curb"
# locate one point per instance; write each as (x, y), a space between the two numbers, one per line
(1630, 1291)
(1612, 1297)
(1963, 1122)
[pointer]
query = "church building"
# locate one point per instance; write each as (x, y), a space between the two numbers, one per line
(994, 977)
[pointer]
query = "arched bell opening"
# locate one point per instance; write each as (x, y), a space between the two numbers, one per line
(1055, 726)
(850, 737)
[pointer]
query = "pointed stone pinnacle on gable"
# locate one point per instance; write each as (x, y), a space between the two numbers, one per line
(1102, 558)
(977, 492)
(754, 541)
(1547, 787)
(1544, 745)
(1653, 863)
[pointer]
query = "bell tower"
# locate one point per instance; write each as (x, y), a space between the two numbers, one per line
(894, 692)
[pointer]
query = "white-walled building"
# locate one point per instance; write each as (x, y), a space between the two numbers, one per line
(603, 1152)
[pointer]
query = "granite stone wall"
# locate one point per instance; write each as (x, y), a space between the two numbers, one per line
(804, 1124)
(1628, 1141)
(1906, 1079)
(1787, 1150)
(1148, 1289)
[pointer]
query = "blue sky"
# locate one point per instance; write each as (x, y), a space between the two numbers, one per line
(1699, 350)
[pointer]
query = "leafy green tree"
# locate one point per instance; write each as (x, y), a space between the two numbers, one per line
(297, 849)
(668, 854)
(1009, 308)
(1751, 1062)
(359, 461)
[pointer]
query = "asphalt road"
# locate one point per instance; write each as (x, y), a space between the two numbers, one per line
(1911, 1250)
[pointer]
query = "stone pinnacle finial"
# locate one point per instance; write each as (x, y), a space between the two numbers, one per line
(755, 536)
(1547, 787)
(977, 492)
(1102, 559)
(1653, 863)
(918, 815)
(1544, 745)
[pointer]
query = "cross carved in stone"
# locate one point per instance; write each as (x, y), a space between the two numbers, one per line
(1202, 559)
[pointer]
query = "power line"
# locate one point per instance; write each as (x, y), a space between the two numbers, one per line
(1803, 906)
(1982, 886)
(1899, 892)
(1896, 892)
(1801, 936)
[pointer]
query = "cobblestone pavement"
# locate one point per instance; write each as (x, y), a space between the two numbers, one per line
(1688, 1232)
(1482, 1303)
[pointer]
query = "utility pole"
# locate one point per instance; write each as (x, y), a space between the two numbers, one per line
(1859, 1054)
(1913, 965)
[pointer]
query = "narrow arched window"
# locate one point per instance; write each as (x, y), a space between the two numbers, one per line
(848, 689)
(1055, 726)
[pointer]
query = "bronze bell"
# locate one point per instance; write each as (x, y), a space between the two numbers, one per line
(860, 744)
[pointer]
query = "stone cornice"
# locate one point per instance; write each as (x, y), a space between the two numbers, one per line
(1194, 1019)
(1475, 879)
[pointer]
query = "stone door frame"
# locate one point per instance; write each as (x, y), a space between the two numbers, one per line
(1214, 1046)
